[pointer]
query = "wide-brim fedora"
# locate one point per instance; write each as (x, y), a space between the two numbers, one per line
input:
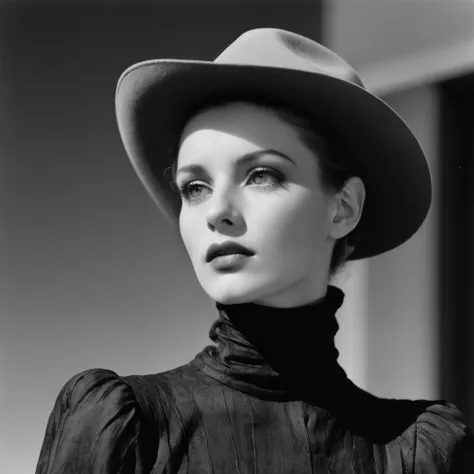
(155, 98)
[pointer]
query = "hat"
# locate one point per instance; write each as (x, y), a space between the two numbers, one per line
(155, 98)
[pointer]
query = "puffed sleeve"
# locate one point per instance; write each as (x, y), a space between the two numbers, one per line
(93, 427)
(443, 441)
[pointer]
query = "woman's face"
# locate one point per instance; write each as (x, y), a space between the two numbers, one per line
(281, 212)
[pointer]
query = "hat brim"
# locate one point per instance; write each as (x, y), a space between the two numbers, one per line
(155, 98)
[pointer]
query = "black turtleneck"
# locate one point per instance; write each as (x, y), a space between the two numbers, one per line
(277, 353)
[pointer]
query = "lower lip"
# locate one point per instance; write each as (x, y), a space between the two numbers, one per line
(229, 261)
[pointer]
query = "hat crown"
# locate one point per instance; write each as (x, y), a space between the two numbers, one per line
(273, 47)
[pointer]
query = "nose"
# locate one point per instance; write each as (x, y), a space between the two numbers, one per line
(224, 210)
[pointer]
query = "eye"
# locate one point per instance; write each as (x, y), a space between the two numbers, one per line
(186, 189)
(262, 172)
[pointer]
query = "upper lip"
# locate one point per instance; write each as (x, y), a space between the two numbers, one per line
(226, 248)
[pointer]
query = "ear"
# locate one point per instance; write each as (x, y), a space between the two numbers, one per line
(347, 209)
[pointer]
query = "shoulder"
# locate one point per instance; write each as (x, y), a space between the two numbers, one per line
(418, 436)
(439, 440)
(95, 394)
(94, 424)
(92, 385)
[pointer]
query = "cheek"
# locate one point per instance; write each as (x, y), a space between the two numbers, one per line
(188, 235)
(298, 226)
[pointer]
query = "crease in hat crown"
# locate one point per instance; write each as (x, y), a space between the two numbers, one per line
(273, 47)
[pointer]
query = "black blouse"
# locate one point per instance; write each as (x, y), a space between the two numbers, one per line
(269, 397)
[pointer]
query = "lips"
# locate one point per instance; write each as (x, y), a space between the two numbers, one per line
(226, 248)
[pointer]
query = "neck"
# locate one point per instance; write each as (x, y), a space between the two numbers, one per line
(285, 351)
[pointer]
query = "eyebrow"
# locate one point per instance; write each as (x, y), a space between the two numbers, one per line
(241, 160)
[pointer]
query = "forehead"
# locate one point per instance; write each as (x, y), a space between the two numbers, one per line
(238, 124)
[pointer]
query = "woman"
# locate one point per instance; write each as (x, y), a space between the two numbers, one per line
(283, 168)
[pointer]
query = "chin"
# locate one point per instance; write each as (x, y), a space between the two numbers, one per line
(230, 297)
(230, 292)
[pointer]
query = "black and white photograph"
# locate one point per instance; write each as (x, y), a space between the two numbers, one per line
(236, 236)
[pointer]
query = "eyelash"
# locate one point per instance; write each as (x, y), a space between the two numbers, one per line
(184, 190)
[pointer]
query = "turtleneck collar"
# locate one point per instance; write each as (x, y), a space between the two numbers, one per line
(276, 353)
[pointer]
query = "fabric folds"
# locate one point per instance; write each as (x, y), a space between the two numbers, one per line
(277, 353)
(93, 427)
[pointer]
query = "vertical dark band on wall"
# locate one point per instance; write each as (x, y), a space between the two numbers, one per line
(456, 283)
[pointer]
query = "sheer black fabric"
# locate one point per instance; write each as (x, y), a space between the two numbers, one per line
(268, 397)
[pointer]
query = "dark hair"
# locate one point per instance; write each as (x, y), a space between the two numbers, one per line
(333, 163)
